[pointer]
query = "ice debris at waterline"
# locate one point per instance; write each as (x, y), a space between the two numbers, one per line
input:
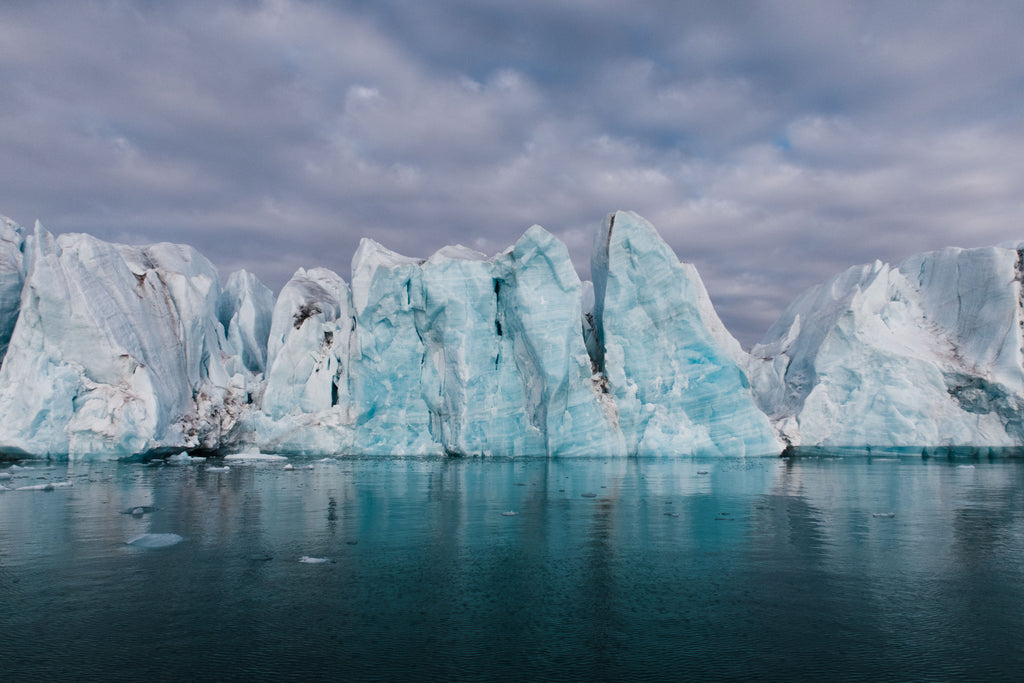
(255, 457)
(113, 351)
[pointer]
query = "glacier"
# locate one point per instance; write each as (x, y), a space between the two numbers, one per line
(924, 355)
(455, 354)
(11, 279)
(116, 351)
(678, 391)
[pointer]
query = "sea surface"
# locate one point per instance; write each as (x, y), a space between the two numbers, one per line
(802, 568)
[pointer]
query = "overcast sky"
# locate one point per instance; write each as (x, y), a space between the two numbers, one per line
(772, 144)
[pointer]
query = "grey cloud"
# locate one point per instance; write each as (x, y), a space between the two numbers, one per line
(772, 144)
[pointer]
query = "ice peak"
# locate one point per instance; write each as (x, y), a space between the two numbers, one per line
(369, 256)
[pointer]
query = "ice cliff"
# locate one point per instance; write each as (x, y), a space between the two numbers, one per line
(11, 279)
(118, 351)
(456, 354)
(927, 354)
(676, 388)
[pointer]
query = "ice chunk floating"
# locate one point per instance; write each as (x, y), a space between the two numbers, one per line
(114, 351)
(154, 541)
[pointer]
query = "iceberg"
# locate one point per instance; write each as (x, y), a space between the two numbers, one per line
(927, 354)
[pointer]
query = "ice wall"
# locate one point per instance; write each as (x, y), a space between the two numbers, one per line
(305, 400)
(924, 355)
(677, 390)
(465, 355)
(117, 351)
(245, 312)
(12, 278)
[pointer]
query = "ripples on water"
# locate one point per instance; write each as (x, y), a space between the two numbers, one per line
(856, 568)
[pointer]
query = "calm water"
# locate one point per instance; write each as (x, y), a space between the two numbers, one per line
(682, 570)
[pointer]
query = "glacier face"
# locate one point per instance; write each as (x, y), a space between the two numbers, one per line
(245, 311)
(305, 395)
(121, 351)
(466, 355)
(928, 354)
(677, 390)
(116, 350)
(12, 278)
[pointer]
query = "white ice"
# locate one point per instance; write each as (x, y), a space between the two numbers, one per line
(154, 541)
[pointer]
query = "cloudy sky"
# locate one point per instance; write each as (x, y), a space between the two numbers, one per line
(771, 143)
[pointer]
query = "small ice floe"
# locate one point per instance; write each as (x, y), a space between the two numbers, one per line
(289, 467)
(261, 457)
(883, 514)
(47, 487)
(218, 470)
(588, 495)
(310, 467)
(306, 559)
(4, 476)
(509, 513)
(671, 514)
(184, 458)
(965, 467)
(138, 510)
(3, 488)
(154, 541)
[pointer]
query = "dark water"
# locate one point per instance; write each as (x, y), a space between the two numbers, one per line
(674, 570)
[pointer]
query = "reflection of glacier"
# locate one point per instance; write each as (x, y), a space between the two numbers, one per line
(772, 565)
(118, 351)
(936, 518)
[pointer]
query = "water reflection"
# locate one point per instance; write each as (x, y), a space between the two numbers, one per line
(725, 568)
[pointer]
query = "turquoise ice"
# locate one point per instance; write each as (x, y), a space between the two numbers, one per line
(677, 390)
